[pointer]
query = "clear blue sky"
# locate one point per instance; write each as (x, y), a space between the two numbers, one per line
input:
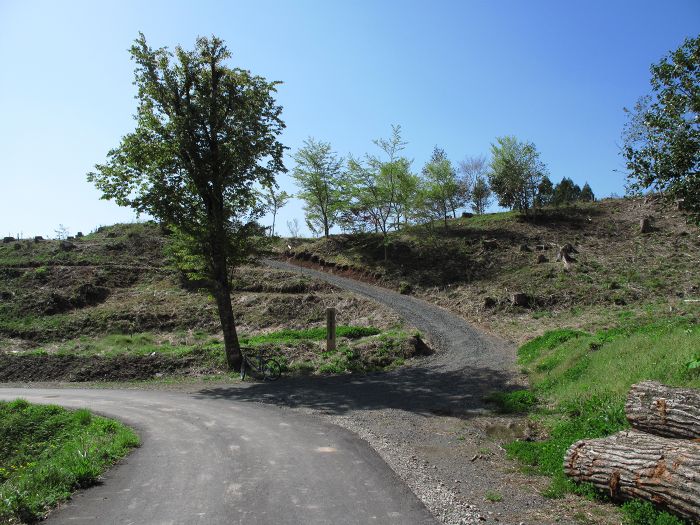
(456, 74)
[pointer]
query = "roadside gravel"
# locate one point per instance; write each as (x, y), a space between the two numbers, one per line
(429, 420)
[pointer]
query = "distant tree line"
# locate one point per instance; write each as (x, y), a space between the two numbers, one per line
(380, 192)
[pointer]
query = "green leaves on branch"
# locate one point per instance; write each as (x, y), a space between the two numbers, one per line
(205, 143)
(661, 141)
(516, 173)
(318, 173)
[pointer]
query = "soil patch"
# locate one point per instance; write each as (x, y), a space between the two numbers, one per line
(100, 368)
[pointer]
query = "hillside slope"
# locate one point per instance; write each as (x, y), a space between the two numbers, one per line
(113, 294)
(476, 265)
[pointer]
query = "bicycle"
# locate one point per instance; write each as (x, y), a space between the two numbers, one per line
(259, 366)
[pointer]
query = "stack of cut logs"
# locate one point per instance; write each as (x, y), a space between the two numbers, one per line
(658, 460)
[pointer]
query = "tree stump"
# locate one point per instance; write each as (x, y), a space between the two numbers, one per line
(633, 464)
(645, 225)
(541, 258)
(664, 411)
(565, 254)
(520, 299)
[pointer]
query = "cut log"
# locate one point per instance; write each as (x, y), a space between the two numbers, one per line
(663, 410)
(631, 465)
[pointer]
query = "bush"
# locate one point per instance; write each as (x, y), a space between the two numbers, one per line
(405, 288)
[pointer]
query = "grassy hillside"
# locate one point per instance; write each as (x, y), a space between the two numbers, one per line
(111, 305)
(474, 266)
(578, 385)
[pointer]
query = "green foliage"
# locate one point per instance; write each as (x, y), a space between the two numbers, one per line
(516, 402)
(481, 195)
(545, 192)
(318, 175)
(516, 172)
(493, 496)
(586, 194)
(46, 452)
(583, 380)
(206, 138)
(442, 193)
(534, 348)
(662, 138)
(566, 192)
(639, 512)
(311, 334)
(380, 192)
(405, 288)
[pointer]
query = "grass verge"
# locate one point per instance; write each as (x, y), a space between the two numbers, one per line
(47, 452)
(579, 382)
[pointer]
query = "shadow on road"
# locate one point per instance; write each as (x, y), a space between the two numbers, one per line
(418, 390)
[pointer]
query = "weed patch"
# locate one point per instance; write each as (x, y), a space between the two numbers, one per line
(47, 452)
(581, 381)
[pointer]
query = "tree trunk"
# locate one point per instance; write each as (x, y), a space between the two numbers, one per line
(631, 464)
(222, 295)
(228, 326)
(664, 411)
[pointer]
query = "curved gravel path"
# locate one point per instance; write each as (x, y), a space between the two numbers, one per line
(207, 461)
(467, 365)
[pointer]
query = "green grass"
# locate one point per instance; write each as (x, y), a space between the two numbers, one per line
(310, 334)
(47, 452)
(581, 381)
(360, 349)
(493, 496)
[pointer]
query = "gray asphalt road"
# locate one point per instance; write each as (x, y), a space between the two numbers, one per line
(206, 460)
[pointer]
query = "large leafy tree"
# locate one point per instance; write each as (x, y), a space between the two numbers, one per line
(318, 174)
(662, 138)
(442, 191)
(206, 139)
(516, 173)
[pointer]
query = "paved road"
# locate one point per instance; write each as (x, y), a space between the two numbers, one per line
(205, 460)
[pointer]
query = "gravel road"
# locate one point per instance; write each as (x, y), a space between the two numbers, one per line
(429, 420)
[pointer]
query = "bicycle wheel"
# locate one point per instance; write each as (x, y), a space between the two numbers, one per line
(272, 370)
(243, 368)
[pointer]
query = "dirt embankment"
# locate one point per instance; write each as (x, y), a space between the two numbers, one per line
(21, 368)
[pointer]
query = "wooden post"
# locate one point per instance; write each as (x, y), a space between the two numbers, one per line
(330, 329)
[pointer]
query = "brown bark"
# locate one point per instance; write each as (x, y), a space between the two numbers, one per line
(222, 295)
(664, 411)
(635, 465)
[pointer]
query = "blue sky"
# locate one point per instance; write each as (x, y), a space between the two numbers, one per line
(456, 74)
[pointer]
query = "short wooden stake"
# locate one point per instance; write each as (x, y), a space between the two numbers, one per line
(330, 329)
